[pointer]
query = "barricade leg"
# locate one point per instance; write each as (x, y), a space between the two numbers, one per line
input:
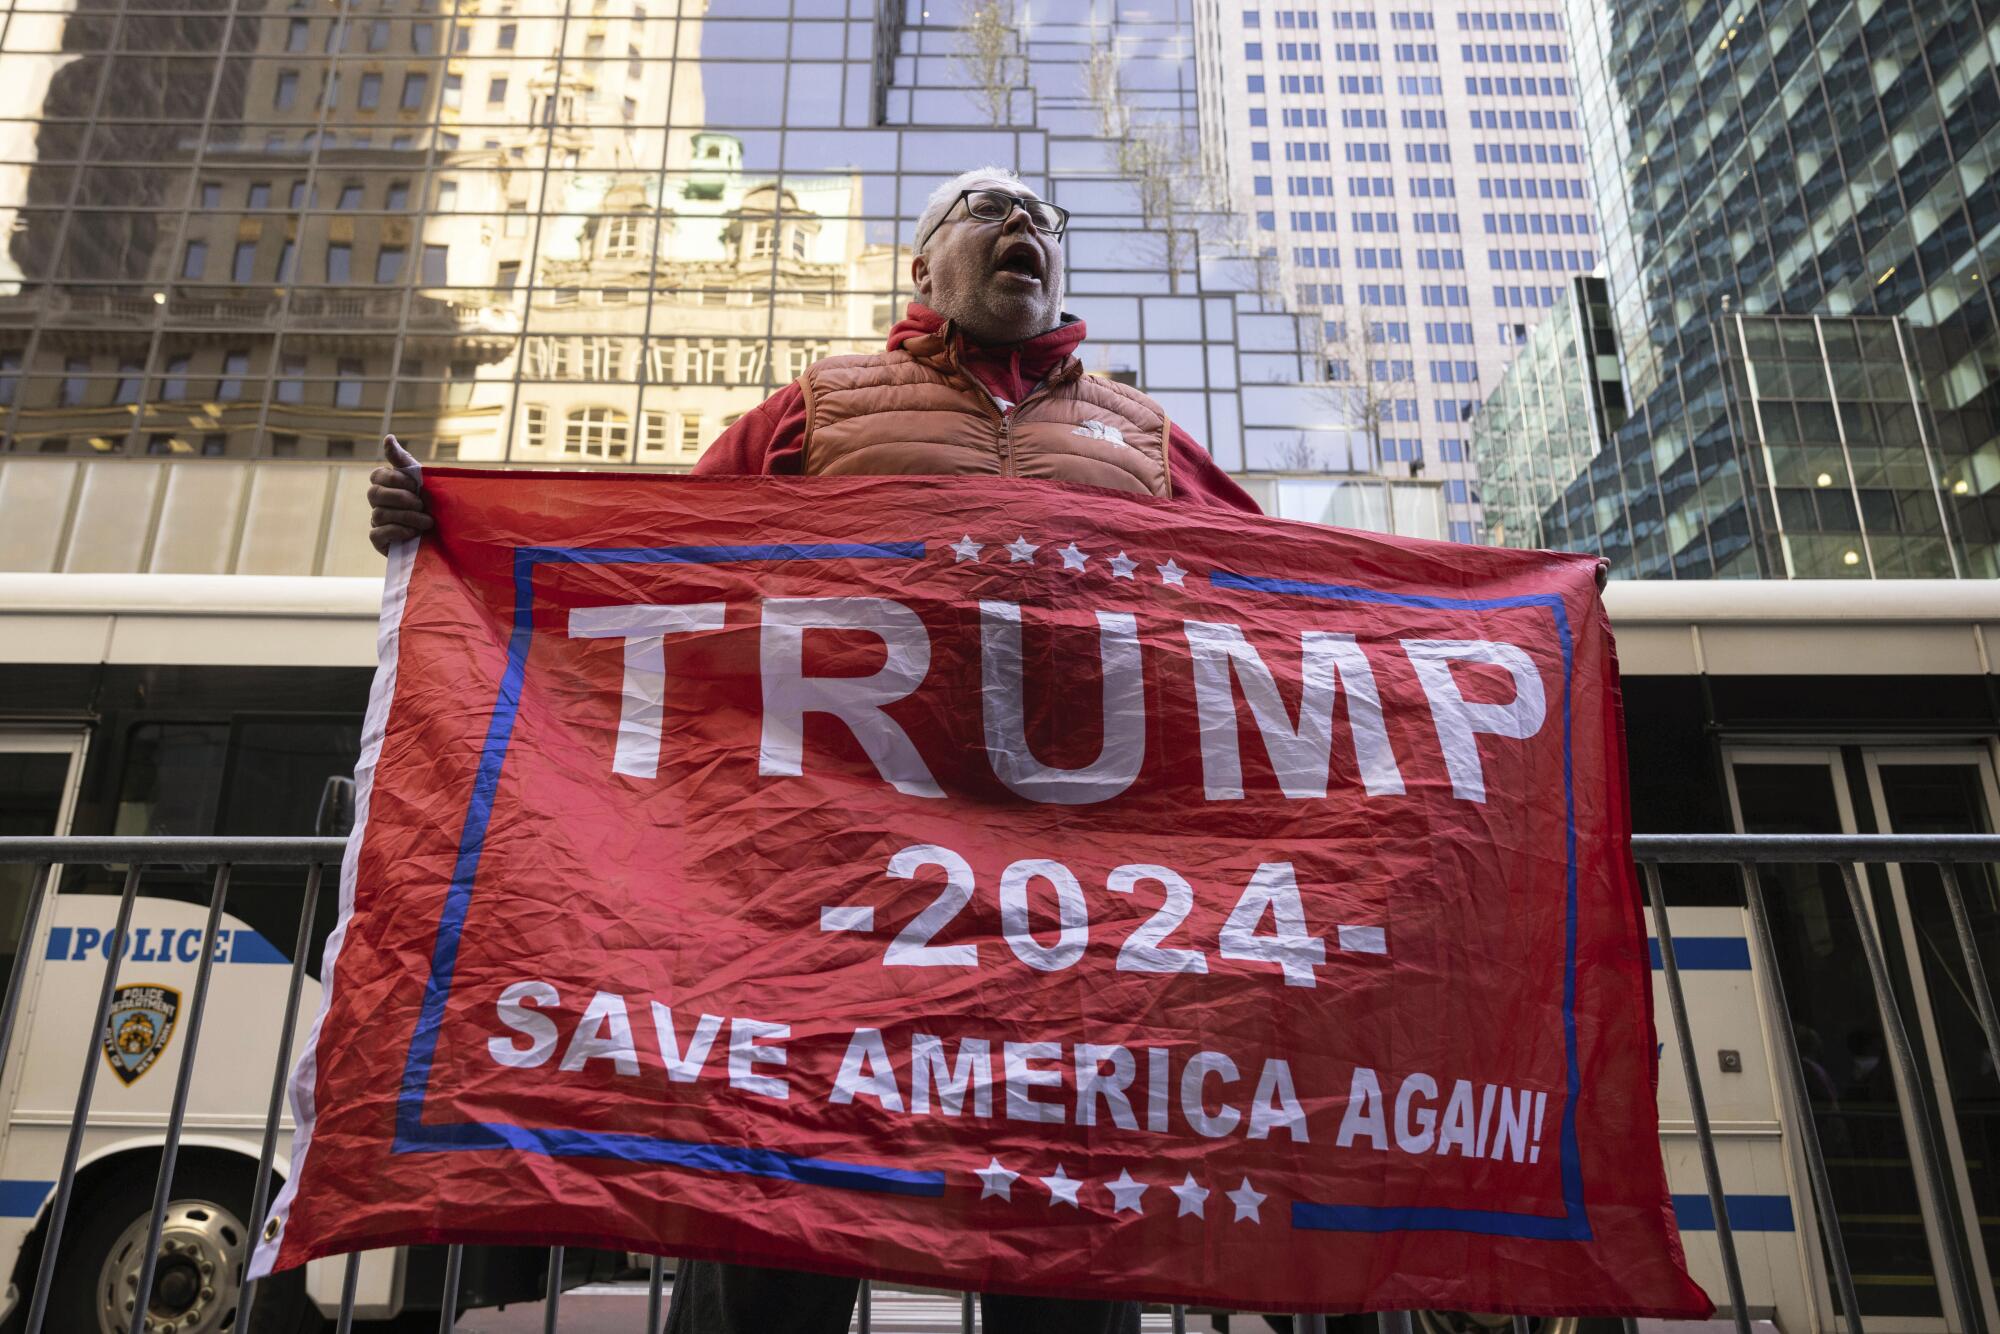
(1961, 921)
(350, 1281)
(163, 1187)
(1520, 1324)
(1178, 1315)
(1731, 1272)
(1794, 1073)
(38, 1304)
(965, 1313)
(864, 1307)
(656, 1283)
(1388, 1322)
(261, 1197)
(454, 1264)
(552, 1303)
(1930, 1161)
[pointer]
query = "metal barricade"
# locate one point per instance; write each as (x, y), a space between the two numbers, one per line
(1745, 852)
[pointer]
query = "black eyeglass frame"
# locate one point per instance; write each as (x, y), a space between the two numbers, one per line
(1020, 201)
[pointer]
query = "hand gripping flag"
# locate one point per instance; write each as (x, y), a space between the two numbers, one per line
(1005, 886)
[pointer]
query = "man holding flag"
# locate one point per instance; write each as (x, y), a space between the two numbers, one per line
(980, 378)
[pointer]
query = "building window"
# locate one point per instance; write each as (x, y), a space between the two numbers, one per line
(435, 266)
(284, 446)
(292, 388)
(235, 365)
(398, 198)
(298, 34)
(259, 196)
(653, 433)
(378, 35)
(496, 92)
(287, 253)
(509, 275)
(129, 375)
(340, 449)
(74, 386)
(339, 263)
(423, 38)
(505, 37)
(347, 390)
(243, 268)
(389, 264)
(597, 433)
(690, 432)
(622, 236)
(214, 446)
(175, 387)
(371, 92)
(535, 426)
(194, 260)
(10, 377)
(286, 95)
(444, 451)
(416, 87)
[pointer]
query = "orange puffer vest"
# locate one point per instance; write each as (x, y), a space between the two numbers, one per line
(916, 411)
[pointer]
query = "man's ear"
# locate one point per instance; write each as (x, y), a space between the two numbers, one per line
(920, 277)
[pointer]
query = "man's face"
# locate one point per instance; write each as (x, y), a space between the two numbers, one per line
(1001, 281)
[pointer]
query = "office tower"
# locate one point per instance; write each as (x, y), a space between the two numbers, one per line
(245, 241)
(1798, 201)
(1417, 174)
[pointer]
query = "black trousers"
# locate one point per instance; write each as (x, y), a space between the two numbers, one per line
(711, 1298)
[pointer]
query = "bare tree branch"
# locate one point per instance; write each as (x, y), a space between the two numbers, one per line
(1358, 383)
(987, 59)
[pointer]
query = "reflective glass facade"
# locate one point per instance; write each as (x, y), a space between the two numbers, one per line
(1549, 417)
(246, 237)
(1796, 157)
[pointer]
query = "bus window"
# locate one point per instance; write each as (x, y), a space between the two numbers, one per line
(1946, 797)
(169, 782)
(33, 786)
(1849, 1079)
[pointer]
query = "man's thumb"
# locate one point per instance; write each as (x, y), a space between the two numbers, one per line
(397, 456)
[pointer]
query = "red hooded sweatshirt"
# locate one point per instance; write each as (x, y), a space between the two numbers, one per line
(770, 438)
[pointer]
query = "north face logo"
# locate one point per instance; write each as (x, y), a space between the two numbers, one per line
(1098, 430)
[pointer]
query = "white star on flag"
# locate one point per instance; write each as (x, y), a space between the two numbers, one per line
(1125, 1193)
(1246, 1200)
(1073, 559)
(965, 549)
(1122, 566)
(1190, 1196)
(1171, 573)
(1062, 1189)
(1022, 549)
(999, 1181)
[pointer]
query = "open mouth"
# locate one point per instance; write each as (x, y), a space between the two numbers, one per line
(1020, 262)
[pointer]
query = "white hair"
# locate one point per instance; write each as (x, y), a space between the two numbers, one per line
(947, 194)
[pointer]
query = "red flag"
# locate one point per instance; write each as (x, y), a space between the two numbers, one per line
(1010, 887)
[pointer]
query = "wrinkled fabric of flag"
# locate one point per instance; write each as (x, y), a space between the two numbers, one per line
(1002, 886)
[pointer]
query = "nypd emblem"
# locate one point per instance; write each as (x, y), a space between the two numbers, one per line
(141, 1025)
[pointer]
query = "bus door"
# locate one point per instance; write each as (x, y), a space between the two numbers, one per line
(38, 781)
(1892, 1223)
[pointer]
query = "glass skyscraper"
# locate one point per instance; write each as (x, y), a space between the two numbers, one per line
(1802, 216)
(246, 237)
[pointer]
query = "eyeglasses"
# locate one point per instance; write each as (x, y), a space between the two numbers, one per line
(997, 206)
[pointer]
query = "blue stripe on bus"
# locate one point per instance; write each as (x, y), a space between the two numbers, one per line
(1747, 1213)
(23, 1199)
(1711, 953)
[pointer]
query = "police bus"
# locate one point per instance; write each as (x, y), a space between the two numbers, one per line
(194, 705)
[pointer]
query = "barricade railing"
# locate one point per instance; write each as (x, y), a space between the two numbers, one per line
(1747, 853)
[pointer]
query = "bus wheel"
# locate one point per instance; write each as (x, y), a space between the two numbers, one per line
(198, 1280)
